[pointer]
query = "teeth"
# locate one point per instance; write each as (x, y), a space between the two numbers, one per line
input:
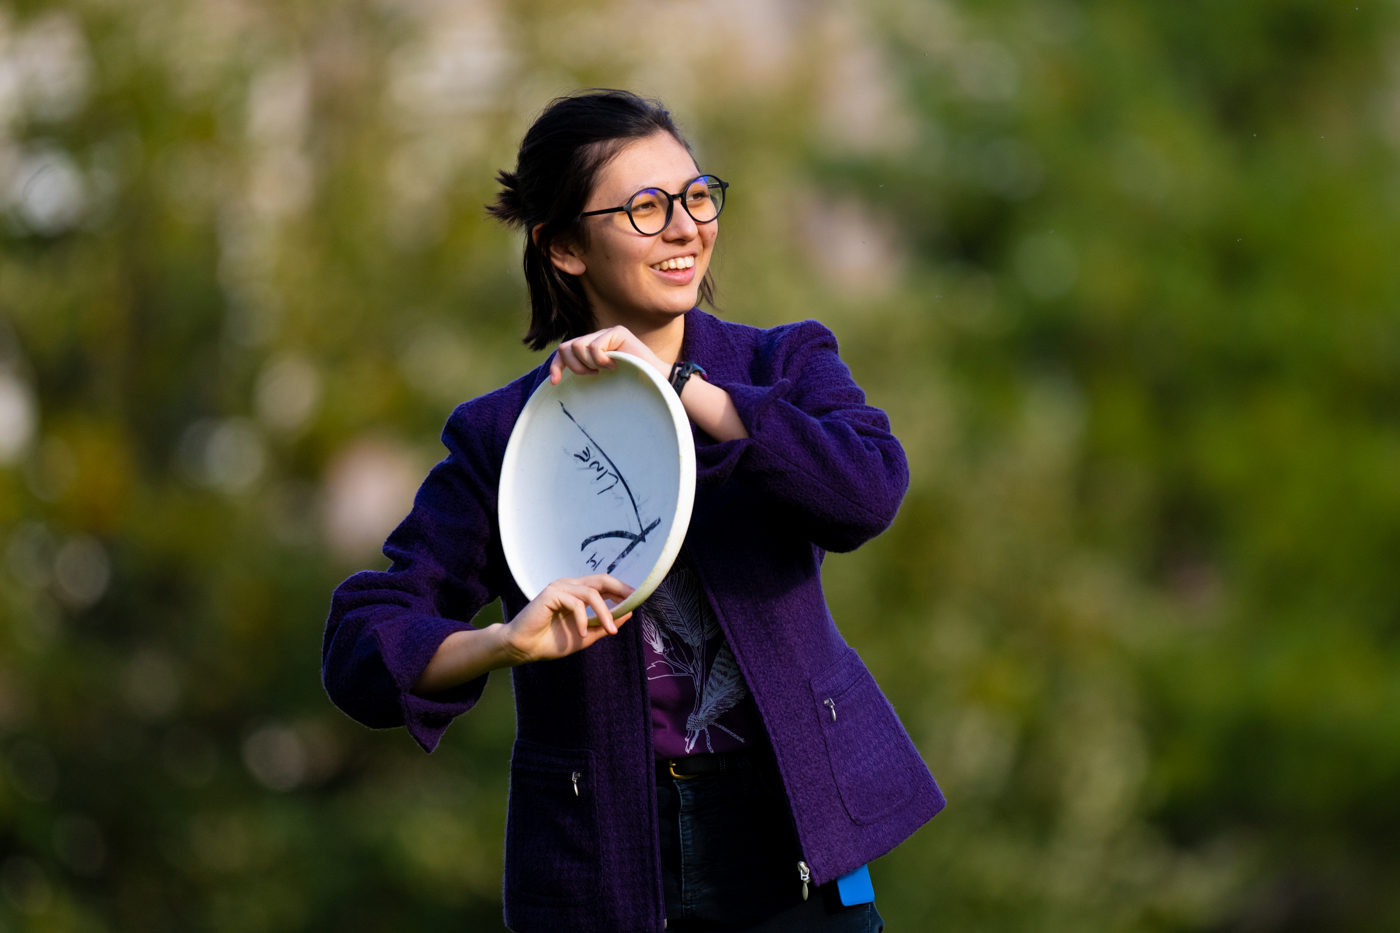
(681, 262)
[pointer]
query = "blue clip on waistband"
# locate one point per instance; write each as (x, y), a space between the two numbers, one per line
(856, 888)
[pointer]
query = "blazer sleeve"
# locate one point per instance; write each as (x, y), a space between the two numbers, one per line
(384, 626)
(814, 445)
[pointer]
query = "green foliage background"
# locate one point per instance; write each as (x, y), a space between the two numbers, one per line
(1123, 275)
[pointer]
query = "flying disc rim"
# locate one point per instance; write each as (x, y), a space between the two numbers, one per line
(513, 538)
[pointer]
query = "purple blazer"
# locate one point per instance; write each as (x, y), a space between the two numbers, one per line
(819, 471)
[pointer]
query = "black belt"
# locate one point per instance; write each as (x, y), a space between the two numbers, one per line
(683, 769)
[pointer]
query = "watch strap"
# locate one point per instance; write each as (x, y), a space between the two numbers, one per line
(681, 373)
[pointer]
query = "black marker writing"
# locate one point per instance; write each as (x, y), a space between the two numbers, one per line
(601, 472)
(610, 471)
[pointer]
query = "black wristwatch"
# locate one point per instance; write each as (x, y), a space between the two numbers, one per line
(681, 373)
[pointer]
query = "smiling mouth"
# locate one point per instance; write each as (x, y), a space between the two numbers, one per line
(680, 262)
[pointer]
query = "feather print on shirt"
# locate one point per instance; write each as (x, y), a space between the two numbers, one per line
(678, 625)
(723, 688)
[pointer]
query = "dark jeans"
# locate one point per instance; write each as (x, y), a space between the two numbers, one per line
(729, 859)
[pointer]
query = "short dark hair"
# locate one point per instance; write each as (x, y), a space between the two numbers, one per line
(555, 171)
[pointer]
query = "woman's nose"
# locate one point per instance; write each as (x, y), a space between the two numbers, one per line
(682, 226)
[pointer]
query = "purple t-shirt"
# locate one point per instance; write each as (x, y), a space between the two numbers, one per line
(699, 701)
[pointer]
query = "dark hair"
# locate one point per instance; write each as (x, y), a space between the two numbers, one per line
(559, 160)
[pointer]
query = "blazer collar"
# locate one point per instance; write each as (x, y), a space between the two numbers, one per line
(705, 342)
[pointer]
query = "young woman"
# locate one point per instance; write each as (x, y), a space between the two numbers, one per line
(720, 762)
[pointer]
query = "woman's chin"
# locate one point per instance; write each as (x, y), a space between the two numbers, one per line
(676, 301)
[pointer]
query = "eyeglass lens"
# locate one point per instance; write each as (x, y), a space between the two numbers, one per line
(650, 208)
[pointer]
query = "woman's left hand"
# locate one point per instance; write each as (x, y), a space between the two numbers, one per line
(588, 354)
(708, 406)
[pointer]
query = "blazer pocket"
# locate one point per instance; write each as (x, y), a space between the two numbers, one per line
(552, 825)
(875, 765)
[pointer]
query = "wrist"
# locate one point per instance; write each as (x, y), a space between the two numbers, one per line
(656, 362)
(506, 653)
(681, 373)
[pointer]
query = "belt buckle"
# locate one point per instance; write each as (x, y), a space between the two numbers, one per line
(671, 766)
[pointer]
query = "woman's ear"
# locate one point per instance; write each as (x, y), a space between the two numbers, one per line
(561, 252)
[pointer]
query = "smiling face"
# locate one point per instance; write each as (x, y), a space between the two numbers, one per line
(641, 282)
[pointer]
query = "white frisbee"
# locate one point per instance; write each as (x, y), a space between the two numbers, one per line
(598, 477)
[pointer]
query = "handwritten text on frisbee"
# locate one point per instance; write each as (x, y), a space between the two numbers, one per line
(613, 476)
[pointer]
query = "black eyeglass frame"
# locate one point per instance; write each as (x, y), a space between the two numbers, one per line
(670, 204)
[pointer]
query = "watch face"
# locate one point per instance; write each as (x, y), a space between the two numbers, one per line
(598, 477)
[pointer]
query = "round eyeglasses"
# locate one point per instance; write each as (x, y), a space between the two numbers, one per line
(650, 209)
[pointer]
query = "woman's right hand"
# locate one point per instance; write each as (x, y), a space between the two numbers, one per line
(555, 623)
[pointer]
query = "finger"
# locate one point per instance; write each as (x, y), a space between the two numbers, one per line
(602, 582)
(571, 359)
(556, 370)
(584, 359)
(580, 353)
(611, 585)
(563, 605)
(580, 617)
(600, 609)
(595, 600)
(599, 348)
(622, 619)
(588, 353)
